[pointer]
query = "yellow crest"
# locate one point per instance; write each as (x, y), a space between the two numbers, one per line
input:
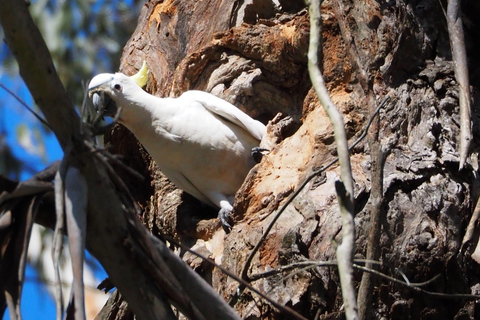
(141, 76)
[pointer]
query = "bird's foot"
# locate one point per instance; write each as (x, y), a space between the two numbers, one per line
(257, 153)
(224, 215)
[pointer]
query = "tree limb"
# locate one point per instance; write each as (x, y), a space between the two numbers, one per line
(75, 195)
(346, 248)
(376, 210)
(37, 69)
(244, 284)
(109, 233)
(460, 66)
(315, 172)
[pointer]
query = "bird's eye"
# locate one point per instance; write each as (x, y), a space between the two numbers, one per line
(117, 87)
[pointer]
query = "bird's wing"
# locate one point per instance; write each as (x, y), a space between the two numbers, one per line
(227, 111)
(182, 182)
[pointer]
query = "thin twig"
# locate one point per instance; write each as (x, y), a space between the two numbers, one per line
(412, 285)
(315, 172)
(302, 264)
(244, 283)
(291, 266)
(416, 287)
(36, 115)
(277, 282)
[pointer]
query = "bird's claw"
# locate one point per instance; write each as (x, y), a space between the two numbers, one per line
(257, 153)
(225, 219)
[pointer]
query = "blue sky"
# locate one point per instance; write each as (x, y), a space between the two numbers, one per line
(36, 303)
(39, 147)
(13, 115)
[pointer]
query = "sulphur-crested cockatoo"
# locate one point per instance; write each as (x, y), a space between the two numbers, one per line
(200, 142)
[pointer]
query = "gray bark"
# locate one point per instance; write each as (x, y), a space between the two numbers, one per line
(370, 48)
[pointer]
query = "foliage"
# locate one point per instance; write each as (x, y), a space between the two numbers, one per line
(84, 38)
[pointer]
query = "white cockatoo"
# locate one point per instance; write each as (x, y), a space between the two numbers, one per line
(200, 142)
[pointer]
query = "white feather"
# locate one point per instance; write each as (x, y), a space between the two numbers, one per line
(200, 142)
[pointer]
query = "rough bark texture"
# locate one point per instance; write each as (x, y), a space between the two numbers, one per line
(253, 54)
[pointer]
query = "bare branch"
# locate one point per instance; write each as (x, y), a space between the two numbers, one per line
(37, 69)
(377, 156)
(58, 241)
(75, 195)
(301, 264)
(110, 236)
(284, 309)
(346, 248)
(26, 106)
(416, 286)
(472, 226)
(460, 66)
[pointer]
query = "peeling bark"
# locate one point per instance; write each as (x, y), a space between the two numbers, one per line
(261, 67)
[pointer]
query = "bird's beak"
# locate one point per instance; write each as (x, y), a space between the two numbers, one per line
(96, 92)
(104, 104)
(91, 92)
(99, 84)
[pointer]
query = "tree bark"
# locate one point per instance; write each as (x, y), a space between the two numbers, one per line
(260, 65)
(147, 273)
(254, 54)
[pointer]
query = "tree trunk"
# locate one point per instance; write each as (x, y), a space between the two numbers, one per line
(253, 54)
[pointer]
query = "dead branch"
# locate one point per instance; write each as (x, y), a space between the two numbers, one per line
(301, 264)
(352, 48)
(472, 227)
(110, 236)
(346, 248)
(315, 172)
(460, 66)
(416, 286)
(377, 157)
(244, 284)
(37, 69)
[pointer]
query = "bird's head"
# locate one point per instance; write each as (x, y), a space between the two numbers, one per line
(108, 90)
